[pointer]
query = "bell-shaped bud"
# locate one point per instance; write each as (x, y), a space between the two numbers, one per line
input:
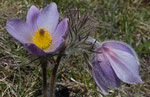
(116, 62)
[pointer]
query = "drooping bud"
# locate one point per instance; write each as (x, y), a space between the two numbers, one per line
(117, 62)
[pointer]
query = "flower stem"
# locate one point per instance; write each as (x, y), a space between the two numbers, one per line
(43, 63)
(53, 76)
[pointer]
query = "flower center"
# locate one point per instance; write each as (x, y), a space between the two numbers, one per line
(42, 38)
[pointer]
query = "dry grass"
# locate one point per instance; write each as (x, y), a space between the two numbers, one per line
(20, 74)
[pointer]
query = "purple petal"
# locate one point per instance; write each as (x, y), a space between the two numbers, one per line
(48, 18)
(32, 16)
(56, 45)
(120, 46)
(99, 83)
(103, 73)
(19, 30)
(34, 49)
(124, 63)
(61, 29)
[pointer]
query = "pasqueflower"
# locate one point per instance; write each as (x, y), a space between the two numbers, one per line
(116, 62)
(41, 32)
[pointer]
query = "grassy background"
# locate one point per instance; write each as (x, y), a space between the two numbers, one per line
(124, 20)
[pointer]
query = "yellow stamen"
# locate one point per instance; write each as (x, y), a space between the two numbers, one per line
(42, 38)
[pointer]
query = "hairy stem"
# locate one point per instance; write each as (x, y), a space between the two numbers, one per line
(53, 76)
(43, 63)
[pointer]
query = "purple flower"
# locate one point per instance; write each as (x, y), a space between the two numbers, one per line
(116, 62)
(41, 32)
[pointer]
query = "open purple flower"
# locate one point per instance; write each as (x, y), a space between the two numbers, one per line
(41, 32)
(116, 62)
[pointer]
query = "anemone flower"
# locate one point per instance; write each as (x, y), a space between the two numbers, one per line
(41, 32)
(116, 62)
